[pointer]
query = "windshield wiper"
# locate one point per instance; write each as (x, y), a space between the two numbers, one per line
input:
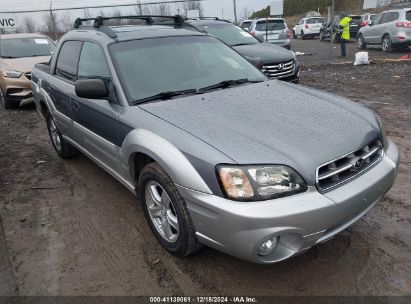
(228, 83)
(164, 96)
(240, 44)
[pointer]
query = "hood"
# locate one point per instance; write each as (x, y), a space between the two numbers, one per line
(24, 64)
(268, 52)
(273, 123)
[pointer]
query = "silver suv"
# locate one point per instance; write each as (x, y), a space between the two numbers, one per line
(272, 30)
(390, 29)
(218, 154)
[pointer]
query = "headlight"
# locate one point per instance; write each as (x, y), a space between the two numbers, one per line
(382, 129)
(11, 73)
(257, 183)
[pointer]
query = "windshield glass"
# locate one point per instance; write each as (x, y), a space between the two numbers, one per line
(246, 25)
(26, 47)
(153, 66)
(272, 25)
(315, 20)
(230, 34)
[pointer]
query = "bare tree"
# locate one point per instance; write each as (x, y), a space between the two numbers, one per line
(115, 13)
(161, 9)
(28, 25)
(50, 25)
(139, 7)
(87, 14)
(65, 22)
(246, 12)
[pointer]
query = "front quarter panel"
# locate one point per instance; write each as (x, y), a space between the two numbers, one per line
(166, 155)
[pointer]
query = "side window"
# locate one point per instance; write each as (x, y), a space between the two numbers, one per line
(67, 62)
(93, 62)
(394, 16)
(378, 19)
(301, 22)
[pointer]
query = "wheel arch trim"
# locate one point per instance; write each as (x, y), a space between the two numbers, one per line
(171, 159)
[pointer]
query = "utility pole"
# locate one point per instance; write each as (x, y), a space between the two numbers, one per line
(235, 10)
(53, 22)
(332, 27)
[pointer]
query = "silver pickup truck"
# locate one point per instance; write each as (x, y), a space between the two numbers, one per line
(218, 154)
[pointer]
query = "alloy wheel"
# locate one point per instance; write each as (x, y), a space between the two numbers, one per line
(162, 212)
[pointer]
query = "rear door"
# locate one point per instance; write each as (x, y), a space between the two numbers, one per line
(96, 120)
(61, 86)
(299, 27)
(372, 33)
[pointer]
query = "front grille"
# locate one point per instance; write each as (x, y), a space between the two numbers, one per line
(346, 168)
(28, 75)
(279, 70)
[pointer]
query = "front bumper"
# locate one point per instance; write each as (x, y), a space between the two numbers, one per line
(16, 90)
(299, 221)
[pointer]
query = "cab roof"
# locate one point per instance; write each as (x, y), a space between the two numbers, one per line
(133, 32)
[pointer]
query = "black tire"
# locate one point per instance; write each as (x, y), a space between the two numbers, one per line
(63, 149)
(386, 44)
(361, 43)
(294, 35)
(186, 242)
(8, 104)
(303, 37)
(322, 35)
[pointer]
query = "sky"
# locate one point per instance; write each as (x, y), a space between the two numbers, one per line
(219, 8)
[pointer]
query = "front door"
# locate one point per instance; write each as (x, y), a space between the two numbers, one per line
(96, 120)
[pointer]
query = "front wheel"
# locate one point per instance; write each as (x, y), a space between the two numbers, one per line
(387, 44)
(361, 43)
(7, 103)
(303, 35)
(166, 212)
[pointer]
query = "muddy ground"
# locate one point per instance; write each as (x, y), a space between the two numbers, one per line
(68, 228)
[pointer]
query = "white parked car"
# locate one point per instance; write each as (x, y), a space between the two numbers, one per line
(308, 27)
(245, 24)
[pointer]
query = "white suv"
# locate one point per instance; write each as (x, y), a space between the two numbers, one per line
(272, 30)
(308, 27)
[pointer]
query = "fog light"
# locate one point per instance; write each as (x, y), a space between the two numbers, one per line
(267, 247)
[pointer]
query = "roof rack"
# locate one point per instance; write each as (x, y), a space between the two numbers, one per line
(209, 18)
(99, 20)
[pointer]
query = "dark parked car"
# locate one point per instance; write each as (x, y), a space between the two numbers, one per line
(330, 25)
(355, 25)
(275, 61)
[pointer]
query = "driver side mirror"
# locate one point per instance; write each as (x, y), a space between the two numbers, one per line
(91, 89)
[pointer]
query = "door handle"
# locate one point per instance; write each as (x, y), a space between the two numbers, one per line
(76, 106)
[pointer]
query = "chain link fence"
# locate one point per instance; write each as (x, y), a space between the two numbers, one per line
(57, 16)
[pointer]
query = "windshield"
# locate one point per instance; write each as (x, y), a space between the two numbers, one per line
(230, 34)
(26, 47)
(153, 66)
(315, 20)
(272, 25)
(246, 25)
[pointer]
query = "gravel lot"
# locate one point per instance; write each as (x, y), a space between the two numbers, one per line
(317, 52)
(68, 228)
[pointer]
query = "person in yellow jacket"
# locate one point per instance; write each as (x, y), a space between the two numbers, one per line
(343, 33)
